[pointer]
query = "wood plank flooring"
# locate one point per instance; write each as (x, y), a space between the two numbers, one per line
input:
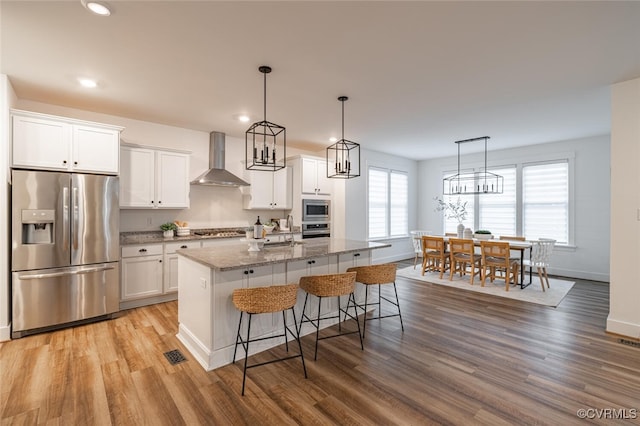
(464, 358)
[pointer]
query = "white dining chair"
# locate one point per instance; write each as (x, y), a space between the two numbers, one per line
(417, 244)
(541, 250)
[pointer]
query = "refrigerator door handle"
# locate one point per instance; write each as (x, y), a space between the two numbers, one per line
(65, 216)
(74, 242)
(65, 273)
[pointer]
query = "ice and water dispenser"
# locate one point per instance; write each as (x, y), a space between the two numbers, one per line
(37, 226)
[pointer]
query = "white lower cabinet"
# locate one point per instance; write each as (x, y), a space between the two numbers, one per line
(141, 271)
(224, 331)
(170, 278)
(348, 260)
(150, 273)
(315, 266)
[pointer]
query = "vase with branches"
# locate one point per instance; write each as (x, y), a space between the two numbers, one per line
(453, 210)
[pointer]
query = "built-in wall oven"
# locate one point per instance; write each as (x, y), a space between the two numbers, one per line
(316, 218)
(316, 210)
(316, 230)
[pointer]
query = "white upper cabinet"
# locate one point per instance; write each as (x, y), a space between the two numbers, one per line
(153, 178)
(48, 142)
(314, 176)
(269, 190)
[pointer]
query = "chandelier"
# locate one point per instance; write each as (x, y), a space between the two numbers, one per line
(343, 157)
(480, 182)
(265, 142)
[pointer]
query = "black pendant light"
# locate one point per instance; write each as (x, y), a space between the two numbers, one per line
(265, 142)
(481, 182)
(343, 157)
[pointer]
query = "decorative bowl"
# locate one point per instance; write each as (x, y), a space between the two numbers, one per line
(268, 228)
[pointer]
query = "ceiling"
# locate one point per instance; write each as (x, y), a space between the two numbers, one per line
(419, 75)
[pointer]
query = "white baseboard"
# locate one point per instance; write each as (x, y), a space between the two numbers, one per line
(623, 328)
(5, 333)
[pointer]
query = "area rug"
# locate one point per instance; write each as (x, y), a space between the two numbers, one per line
(532, 293)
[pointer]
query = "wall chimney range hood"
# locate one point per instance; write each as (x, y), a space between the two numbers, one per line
(216, 175)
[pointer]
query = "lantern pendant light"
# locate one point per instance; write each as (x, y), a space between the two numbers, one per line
(265, 142)
(478, 182)
(343, 157)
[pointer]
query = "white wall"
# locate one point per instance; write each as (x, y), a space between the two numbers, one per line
(355, 205)
(7, 99)
(589, 259)
(624, 300)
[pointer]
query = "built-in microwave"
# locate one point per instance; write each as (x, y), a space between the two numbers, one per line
(316, 210)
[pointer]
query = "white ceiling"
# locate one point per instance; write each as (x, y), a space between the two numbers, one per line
(419, 75)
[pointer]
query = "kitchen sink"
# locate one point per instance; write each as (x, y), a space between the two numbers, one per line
(282, 244)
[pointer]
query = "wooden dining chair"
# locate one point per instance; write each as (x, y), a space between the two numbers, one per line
(496, 257)
(462, 256)
(434, 255)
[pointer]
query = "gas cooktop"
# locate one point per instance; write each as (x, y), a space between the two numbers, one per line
(207, 233)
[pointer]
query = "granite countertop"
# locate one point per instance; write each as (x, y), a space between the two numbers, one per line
(149, 237)
(237, 256)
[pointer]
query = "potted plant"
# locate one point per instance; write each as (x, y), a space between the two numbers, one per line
(453, 210)
(483, 234)
(168, 229)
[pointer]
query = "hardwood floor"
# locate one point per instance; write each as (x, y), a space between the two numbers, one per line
(464, 358)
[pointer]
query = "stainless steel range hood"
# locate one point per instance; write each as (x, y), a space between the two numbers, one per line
(217, 175)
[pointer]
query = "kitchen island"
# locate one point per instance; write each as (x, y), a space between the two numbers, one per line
(208, 321)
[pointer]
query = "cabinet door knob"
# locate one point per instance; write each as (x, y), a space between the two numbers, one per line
(64, 162)
(159, 202)
(160, 261)
(75, 163)
(356, 255)
(251, 271)
(183, 246)
(142, 250)
(246, 272)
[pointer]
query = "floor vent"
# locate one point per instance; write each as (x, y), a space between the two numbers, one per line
(629, 343)
(174, 357)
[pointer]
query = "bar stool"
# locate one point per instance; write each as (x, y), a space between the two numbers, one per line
(377, 275)
(330, 285)
(263, 300)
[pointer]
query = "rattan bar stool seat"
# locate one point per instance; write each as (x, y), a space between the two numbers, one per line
(263, 300)
(329, 285)
(377, 275)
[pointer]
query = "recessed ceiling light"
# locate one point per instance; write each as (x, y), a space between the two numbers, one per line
(332, 139)
(243, 117)
(97, 7)
(87, 82)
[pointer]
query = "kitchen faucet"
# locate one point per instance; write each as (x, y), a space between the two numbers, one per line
(290, 228)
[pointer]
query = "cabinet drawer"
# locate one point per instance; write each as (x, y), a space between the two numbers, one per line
(142, 250)
(170, 248)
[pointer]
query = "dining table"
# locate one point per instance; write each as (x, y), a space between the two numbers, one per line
(520, 246)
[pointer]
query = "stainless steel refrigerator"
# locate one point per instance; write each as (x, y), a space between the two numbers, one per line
(65, 249)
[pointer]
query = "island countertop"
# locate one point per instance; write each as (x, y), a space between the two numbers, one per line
(237, 256)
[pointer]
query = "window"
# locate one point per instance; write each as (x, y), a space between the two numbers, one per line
(545, 197)
(535, 203)
(388, 210)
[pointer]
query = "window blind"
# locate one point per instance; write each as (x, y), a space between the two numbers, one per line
(546, 201)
